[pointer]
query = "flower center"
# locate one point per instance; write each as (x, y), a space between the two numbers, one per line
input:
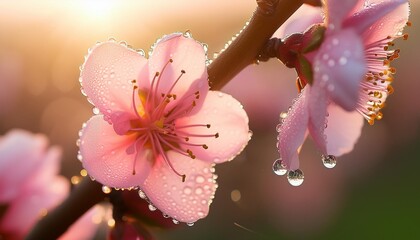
(155, 123)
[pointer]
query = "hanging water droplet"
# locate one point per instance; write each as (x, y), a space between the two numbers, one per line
(106, 189)
(165, 215)
(152, 208)
(250, 133)
(175, 221)
(190, 224)
(187, 190)
(295, 178)
(329, 161)
(92, 178)
(95, 110)
(142, 195)
(283, 115)
(279, 167)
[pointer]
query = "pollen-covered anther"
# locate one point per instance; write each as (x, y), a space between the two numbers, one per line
(205, 146)
(208, 125)
(216, 135)
(409, 24)
(405, 36)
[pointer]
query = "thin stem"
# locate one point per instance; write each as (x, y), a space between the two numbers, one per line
(86, 194)
(245, 49)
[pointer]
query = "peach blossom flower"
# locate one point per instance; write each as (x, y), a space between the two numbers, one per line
(158, 127)
(351, 72)
(30, 184)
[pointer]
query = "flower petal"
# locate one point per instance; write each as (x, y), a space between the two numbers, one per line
(337, 11)
(343, 130)
(107, 73)
(26, 209)
(21, 153)
(187, 55)
(105, 157)
(227, 119)
(386, 18)
(317, 107)
(340, 66)
(184, 201)
(292, 131)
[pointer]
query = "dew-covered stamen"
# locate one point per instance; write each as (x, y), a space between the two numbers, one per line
(137, 148)
(155, 141)
(166, 97)
(377, 84)
(155, 90)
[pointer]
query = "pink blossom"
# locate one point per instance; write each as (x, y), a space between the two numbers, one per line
(30, 184)
(351, 72)
(158, 126)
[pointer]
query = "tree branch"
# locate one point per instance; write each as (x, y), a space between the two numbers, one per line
(245, 49)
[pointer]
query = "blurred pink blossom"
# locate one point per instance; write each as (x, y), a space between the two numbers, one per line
(351, 69)
(158, 126)
(29, 182)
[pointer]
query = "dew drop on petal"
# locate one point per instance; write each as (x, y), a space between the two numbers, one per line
(220, 94)
(295, 178)
(79, 156)
(175, 221)
(199, 179)
(152, 208)
(95, 111)
(165, 215)
(190, 224)
(279, 167)
(142, 195)
(187, 190)
(342, 61)
(329, 161)
(106, 189)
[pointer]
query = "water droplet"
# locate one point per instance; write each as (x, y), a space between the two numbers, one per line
(190, 224)
(220, 94)
(283, 115)
(279, 167)
(96, 111)
(187, 190)
(200, 179)
(206, 47)
(250, 133)
(92, 178)
(152, 208)
(342, 61)
(295, 178)
(142, 195)
(112, 75)
(278, 128)
(106, 189)
(200, 214)
(216, 160)
(79, 156)
(198, 191)
(329, 161)
(175, 221)
(165, 215)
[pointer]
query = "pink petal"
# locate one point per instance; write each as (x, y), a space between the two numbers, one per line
(378, 15)
(390, 25)
(317, 105)
(20, 155)
(227, 118)
(105, 157)
(187, 55)
(107, 74)
(26, 210)
(343, 130)
(337, 11)
(84, 227)
(303, 18)
(184, 201)
(340, 66)
(46, 170)
(292, 131)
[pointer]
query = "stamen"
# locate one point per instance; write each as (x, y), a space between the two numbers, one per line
(153, 138)
(134, 101)
(193, 125)
(160, 76)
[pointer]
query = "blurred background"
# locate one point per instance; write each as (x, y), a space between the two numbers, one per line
(372, 193)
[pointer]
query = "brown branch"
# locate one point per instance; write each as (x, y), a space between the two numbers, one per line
(245, 49)
(82, 198)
